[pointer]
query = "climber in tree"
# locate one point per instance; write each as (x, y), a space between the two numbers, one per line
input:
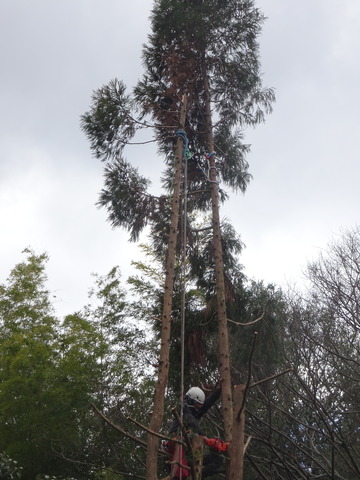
(195, 407)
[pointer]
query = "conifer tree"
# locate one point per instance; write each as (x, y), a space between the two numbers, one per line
(206, 50)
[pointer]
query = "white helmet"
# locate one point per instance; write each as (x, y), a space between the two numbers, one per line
(196, 394)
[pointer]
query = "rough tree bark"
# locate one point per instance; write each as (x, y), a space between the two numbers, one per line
(224, 356)
(163, 370)
(236, 467)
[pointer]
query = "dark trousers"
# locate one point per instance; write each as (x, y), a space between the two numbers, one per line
(213, 463)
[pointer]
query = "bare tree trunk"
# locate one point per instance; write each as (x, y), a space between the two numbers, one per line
(163, 371)
(236, 466)
(224, 356)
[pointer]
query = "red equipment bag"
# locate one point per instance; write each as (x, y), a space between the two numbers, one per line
(178, 463)
(178, 459)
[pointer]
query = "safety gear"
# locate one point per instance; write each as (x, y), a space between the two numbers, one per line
(217, 444)
(196, 395)
(179, 466)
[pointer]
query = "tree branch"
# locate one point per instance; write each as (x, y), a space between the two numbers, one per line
(248, 323)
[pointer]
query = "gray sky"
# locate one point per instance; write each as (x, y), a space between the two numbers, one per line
(304, 159)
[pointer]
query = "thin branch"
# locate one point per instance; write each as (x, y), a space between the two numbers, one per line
(196, 230)
(116, 427)
(97, 466)
(141, 143)
(267, 379)
(247, 443)
(248, 323)
(159, 435)
(194, 192)
(249, 377)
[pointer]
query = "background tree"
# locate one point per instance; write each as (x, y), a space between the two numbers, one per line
(305, 425)
(28, 351)
(51, 372)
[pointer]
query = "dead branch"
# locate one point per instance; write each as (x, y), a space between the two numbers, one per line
(197, 230)
(97, 466)
(180, 465)
(247, 443)
(116, 427)
(247, 323)
(272, 377)
(247, 385)
(163, 437)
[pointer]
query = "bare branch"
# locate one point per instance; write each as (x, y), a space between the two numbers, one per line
(272, 377)
(159, 435)
(248, 379)
(247, 323)
(116, 427)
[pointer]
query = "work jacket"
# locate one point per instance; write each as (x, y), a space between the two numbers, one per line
(192, 416)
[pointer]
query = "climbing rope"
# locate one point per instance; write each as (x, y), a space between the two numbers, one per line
(186, 155)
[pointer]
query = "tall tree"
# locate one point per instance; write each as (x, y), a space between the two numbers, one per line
(207, 51)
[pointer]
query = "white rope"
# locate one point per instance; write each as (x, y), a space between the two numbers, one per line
(183, 281)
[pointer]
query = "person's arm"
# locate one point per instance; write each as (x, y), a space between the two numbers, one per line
(209, 401)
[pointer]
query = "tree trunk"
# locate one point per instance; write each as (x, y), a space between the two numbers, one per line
(198, 455)
(163, 371)
(224, 355)
(236, 466)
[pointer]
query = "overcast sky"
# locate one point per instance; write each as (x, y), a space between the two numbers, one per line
(304, 159)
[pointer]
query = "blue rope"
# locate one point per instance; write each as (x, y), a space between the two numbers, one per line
(182, 134)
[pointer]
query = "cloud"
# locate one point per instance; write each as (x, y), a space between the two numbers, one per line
(304, 159)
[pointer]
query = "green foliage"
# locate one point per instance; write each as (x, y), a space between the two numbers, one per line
(109, 124)
(126, 199)
(197, 49)
(193, 43)
(27, 352)
(51, 372)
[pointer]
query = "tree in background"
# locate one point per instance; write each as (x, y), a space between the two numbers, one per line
(28, 352)
(305, 424)
(51, 372)
(300, 425)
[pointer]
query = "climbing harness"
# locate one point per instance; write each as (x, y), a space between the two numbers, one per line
(205, 170)
(208, 157)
